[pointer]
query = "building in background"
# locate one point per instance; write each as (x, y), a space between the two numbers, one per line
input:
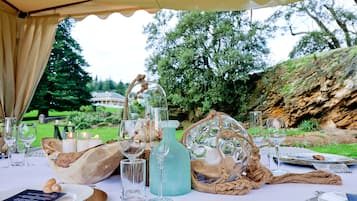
(107, 99)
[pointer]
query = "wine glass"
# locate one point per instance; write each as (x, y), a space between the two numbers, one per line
(9, 132)
(133, 137)
(256, 127)
(27, 135)
(132, 142)
(156, 116)
(159, 152)
(276, 129)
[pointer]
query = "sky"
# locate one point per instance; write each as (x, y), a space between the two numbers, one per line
(115, 47)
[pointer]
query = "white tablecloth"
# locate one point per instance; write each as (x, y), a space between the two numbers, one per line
(15, 177)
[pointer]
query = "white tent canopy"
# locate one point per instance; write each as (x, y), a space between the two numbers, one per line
(28, 30)
(83, 8)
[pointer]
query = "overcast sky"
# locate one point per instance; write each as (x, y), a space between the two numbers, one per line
(115, 47)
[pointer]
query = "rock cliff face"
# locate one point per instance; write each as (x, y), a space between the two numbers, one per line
(320, 86)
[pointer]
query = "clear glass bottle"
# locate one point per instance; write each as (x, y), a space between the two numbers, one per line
(177, 169)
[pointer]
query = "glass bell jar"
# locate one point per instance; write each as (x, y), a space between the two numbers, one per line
(147, 100)
(205, 142)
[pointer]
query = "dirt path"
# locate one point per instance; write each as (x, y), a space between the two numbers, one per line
(323, 137)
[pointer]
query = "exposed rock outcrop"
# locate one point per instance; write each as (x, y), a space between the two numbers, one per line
(319, 86)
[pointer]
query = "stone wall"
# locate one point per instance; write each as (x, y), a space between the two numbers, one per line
(320, 86)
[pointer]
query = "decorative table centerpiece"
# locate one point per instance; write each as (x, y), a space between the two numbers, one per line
(225, 160)
(85, 167)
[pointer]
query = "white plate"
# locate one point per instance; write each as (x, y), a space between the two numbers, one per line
(332, 196)
(74, 192)
(307, 159)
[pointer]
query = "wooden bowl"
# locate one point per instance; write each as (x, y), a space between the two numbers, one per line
(86, 167)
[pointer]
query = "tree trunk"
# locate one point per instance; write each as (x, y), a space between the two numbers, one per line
(340, 24)
(324, 28)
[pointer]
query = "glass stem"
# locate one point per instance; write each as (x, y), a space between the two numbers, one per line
(161, 166)
(277, 156)
(9, 156)
(132, 172)
(269, 158)
(27, 150)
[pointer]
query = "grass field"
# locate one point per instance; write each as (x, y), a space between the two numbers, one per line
(51, 113)
(109, 133)
(349, 150)
(105, 133)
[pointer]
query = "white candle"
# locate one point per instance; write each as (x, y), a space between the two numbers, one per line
(82, 141)
(69, 145)
(94, 141)
(82, 145)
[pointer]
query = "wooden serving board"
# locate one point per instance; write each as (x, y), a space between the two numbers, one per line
(98, 195)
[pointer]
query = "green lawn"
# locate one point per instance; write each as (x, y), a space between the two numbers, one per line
(46, 130)
(51, 113)
(105, 133)
(109, 133)
(349, 150)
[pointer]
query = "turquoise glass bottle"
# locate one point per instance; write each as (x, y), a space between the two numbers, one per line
(177, 169)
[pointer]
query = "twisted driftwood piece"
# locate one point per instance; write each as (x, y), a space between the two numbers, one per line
(86, 167)
(255, 175)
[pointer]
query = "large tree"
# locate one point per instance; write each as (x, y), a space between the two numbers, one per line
(63, 86)
(333, 22)
(204, 59)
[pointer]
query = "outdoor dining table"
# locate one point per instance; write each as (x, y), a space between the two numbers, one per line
(39, 172)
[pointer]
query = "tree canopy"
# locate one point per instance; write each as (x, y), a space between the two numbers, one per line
(108, 85)
(63, 86)
(203, 61)
(334, 25)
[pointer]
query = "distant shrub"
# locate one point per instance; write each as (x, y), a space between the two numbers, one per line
(309, 125)
(84, 119)
(86, 108)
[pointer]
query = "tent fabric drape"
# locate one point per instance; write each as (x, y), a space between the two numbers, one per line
(31, 40)
(36, 39)
(79, 9)
(7, 62)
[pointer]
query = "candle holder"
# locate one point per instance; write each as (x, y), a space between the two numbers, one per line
(94, 141)
(83, 141)
(69, 142)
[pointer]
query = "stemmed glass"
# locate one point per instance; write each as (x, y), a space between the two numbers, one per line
(9, 132)
(132, 142)
(256, 127)
(160, 151)
(259, 136)
(27, 135)
(160, 118)
(133, 136)
(277, 134)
